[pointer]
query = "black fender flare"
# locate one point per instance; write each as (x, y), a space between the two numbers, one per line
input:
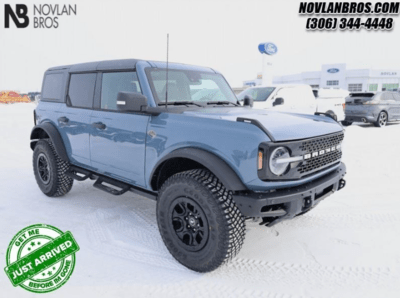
(45, 130)
(216, 165)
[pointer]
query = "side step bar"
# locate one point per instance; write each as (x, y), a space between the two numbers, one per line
(114, 187)
(123, 188)
(73, 172)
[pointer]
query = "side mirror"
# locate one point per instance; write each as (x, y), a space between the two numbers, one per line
(279, 101)
(131, 102)
(248, 101)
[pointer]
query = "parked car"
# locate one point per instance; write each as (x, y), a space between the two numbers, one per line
(331, 101)
(283, 97)
(208, 162)
(377, 108)
(33, 95)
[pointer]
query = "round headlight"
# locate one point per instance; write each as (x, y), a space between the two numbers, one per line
(276, 163)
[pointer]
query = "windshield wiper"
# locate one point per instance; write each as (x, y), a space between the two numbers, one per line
(221, 102)
(180, 103)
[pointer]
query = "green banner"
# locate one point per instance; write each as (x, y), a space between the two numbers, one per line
(42, 258)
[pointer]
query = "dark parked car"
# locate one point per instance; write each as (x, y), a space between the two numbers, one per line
(377, 108)
(32, 95)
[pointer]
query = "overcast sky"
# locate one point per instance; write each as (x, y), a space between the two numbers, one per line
(223, 35)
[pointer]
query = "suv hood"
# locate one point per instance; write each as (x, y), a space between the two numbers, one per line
(281, 126)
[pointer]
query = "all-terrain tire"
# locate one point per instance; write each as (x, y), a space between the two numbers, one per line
(46, 160)
(217, 211)
(382, 119)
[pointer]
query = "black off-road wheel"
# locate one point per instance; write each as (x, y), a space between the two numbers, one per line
(382, 119)
(198, 220)
(49, 170)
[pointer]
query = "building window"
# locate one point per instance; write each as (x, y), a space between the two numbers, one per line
(314, 86)
(390, 87)
(355, 87)
(373, 87)
(332, 83)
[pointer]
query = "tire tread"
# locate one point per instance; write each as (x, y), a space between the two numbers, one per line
(233, 220)
(63, 182)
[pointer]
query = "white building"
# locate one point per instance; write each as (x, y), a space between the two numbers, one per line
(337, 76)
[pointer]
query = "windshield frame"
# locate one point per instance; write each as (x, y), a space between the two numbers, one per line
(148, 71)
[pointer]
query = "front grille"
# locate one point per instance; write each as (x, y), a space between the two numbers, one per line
(320, 161)
(321, 143)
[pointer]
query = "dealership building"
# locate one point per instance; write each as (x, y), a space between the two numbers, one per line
(338, 76)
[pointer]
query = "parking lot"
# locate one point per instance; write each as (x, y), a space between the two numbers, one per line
(348, 246)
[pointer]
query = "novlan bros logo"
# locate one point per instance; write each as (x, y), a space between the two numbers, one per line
(45, 16)
(20, 13)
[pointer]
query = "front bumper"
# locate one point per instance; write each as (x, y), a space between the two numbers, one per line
(284, 204)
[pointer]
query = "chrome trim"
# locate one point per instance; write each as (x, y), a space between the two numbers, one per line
(290, 159)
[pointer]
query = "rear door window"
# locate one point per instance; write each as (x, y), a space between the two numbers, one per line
(81, 90)
(53, 87)
(396, 97)
(387, 96)
(114, 82)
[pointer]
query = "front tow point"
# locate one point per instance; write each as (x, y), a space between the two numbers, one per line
(342, 183)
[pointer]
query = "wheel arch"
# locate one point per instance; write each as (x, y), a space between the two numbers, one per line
(49, 131)
(193, 158)
(383, 110)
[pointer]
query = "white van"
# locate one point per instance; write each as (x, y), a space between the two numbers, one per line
(283, 97)
(331, 101)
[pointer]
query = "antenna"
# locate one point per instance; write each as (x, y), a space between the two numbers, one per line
(166, 83)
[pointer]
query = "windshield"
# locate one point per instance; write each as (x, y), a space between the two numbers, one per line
(258, 94)
(190, 86)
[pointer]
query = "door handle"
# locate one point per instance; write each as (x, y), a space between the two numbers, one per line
(63, 120)
(99, 125)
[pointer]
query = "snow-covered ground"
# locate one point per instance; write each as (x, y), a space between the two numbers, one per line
(349, 246)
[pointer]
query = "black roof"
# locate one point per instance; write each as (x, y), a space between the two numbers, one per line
(125, 64)
(99, 65)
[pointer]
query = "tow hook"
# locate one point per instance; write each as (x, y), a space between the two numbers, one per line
(342, 183)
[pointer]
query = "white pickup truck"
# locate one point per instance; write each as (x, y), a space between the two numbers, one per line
(298, 98)
(331, 101)
(293, 98)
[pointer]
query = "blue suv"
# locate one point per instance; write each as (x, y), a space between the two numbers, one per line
(178, 135)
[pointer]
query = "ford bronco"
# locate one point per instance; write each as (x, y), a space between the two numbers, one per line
(178, 135)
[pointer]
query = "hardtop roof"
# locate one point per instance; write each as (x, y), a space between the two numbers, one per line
(124, 64)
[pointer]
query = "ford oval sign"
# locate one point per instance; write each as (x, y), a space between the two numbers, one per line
(267, 48)
(333, 70)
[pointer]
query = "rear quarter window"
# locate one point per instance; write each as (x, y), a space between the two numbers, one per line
(53, 87)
